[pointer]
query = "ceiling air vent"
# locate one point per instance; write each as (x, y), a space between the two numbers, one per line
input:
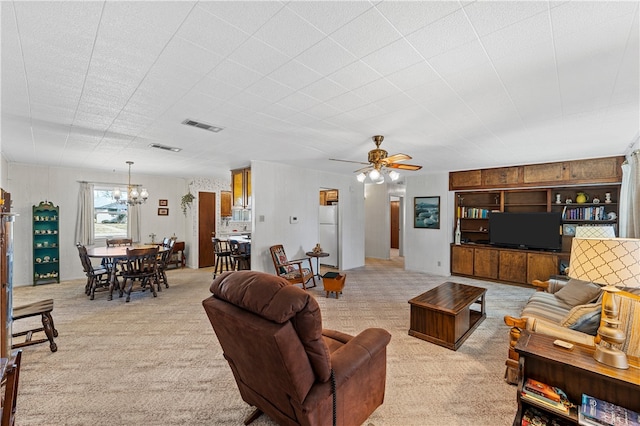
(205, 126)
(165, 147)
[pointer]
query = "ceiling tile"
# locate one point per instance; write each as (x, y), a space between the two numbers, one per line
(365, 34)
(325, 15)
(326, 57)
(445, 34)
(295, 75)
(393, 57)
(259, 57)
(248, 16)
(277, 33)
(355, 75)
(489, 16)
(410, 16)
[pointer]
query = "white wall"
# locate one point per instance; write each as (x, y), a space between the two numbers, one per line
(281, 191)
(30, 184)
(377, 221)
(424, 248)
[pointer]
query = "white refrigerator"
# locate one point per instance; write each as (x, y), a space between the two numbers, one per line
(328, 222)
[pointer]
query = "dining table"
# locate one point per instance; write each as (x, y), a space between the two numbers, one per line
(112, 254)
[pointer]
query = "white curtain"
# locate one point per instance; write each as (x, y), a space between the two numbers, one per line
(134, 223)
(84, 220)
(630, 197)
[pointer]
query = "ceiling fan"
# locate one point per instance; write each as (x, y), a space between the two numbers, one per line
(379, 160)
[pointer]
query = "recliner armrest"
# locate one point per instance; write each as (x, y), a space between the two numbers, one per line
(357, 352)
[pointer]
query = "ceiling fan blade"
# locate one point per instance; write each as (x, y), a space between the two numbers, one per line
(364, 169)
(403, 166)
(397, 157)
(347, 161)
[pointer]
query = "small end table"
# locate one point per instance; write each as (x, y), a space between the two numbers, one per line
(317, 256)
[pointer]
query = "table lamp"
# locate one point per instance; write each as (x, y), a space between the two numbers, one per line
(610, 262)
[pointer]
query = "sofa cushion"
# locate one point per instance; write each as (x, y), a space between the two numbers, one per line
(584, 318)
(546, 306)
(577, 292)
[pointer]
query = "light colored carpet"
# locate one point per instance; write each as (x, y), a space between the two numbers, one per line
(156, 361)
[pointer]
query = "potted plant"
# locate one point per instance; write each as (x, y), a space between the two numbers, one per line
(186, 201)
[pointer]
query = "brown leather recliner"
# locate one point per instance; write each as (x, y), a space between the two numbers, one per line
(282, 360)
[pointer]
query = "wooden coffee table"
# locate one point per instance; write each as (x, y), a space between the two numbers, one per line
(443, 316)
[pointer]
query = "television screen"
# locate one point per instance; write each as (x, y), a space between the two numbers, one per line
(526, 230)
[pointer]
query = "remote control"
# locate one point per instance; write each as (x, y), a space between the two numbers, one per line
(563, 344)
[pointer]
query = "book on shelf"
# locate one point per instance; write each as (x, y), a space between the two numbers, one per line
(533, 417)
(537, 399)
(586, 421)
(543, 389)
(606, 413)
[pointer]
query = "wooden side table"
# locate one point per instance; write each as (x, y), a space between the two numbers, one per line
(317, 256)
(575, 372)
(178, 257)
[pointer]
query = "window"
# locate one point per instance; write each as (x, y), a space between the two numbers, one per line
(109, 217)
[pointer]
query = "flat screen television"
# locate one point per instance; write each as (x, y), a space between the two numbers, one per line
(534, 231)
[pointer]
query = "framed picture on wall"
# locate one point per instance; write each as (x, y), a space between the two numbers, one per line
(163, 203)
(426, 212)
(163, 211)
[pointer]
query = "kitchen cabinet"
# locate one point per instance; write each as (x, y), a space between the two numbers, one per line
(241, 187)
(225, 203)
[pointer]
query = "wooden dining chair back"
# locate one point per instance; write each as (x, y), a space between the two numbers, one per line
(140, 265)
(163, 261)
(12, 377)
(119, 242)
(222, 252)
(97, 276)
(240, 255)
(292, 270)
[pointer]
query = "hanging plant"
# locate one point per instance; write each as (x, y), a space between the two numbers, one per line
(186, 201)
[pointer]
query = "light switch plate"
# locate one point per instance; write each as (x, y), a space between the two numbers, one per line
(293, 219)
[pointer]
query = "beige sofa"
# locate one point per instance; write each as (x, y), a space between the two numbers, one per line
(571, 311)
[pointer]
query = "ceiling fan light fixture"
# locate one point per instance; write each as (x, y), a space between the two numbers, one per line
(379, 181)
(361, 177)
(374, 175)
(394, 175)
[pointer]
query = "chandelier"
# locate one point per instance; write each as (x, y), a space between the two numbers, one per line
(133, 197)
(377, 175)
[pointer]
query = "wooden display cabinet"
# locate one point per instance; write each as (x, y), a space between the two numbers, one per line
(575, 372)
(241, 187)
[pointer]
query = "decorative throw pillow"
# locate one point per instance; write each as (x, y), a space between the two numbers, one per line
(584, 318)
(577, 292)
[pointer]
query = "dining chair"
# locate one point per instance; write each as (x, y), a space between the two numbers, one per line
(291, 270)
(163, 261)
(12, 377)
(240, 255)
(222, 252)
(119, 242)
(140, 265)
(97, 276)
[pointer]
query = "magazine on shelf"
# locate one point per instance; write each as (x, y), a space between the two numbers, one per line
(586, 421)
(607, 413)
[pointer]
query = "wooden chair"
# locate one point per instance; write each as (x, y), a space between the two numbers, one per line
(12, 377)
(42, 308)
(163, 261)
(291, 270)
(222, 252)
(140, 265)
(119, 242)
(97, 276)
(240, 255)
